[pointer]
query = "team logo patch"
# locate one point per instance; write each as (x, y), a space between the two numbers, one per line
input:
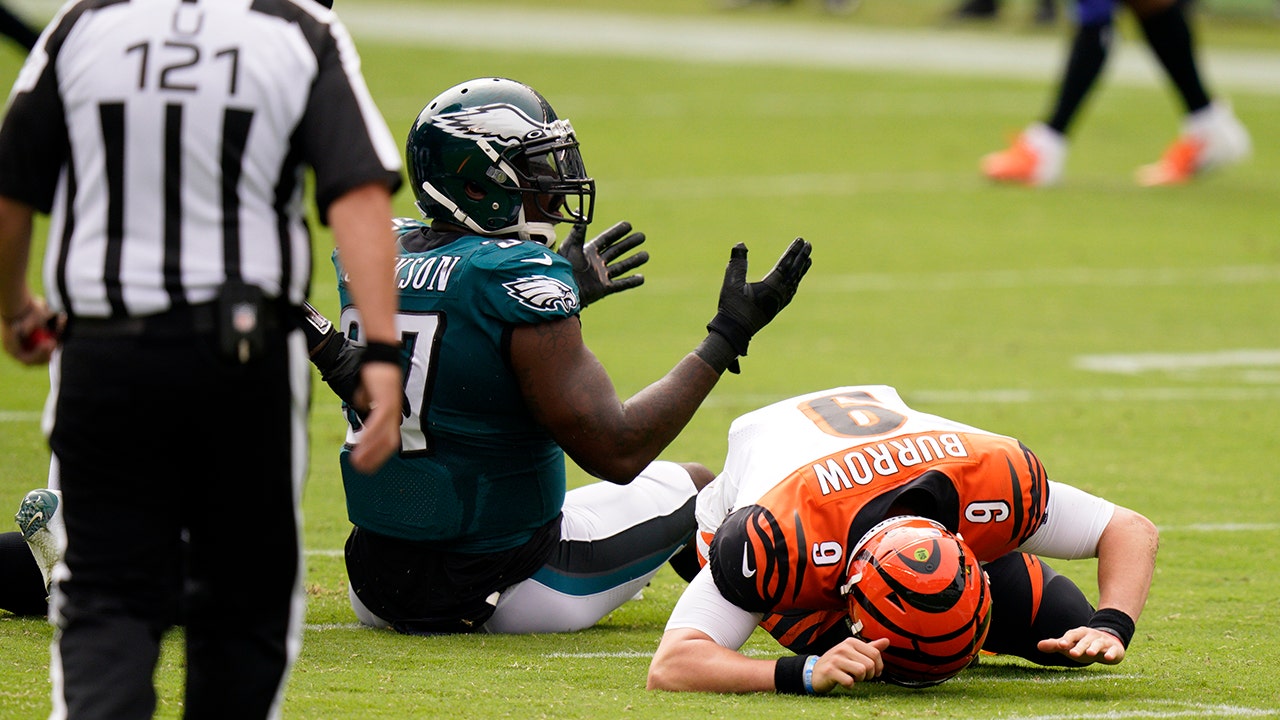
(499, 123)
(922, 554)
(542, 293)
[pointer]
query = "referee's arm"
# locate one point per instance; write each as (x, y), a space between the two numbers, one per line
(366, 244)
(22, 313)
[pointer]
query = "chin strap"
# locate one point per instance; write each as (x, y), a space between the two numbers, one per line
(538, 232)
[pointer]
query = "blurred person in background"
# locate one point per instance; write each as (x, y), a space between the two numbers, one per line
(1046, 11)
(1211, 135)
(16, 29)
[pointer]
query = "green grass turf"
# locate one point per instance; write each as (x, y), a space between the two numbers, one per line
(980, 303)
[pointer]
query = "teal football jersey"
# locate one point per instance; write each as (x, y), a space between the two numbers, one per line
(474, 470)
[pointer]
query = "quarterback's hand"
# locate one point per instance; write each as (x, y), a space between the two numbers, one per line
(380, 384)
(852, 661)
(746, 307)
(597, 264)
(1086, 645)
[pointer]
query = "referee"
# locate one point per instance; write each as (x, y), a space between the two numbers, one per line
(168, 141)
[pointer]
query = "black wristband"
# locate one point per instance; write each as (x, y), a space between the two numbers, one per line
(716, 351)
(788, 675)
(732, 331)
(1116, 622)
(381, 352)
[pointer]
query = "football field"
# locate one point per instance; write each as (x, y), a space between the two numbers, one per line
(1129, 336)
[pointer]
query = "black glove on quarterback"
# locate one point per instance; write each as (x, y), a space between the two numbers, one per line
(747, 307)
(597, 264)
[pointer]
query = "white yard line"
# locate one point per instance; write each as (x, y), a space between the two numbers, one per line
(773, 41)
(1132, 364)
(1180, 529)
(1178, 710)
(728, 38)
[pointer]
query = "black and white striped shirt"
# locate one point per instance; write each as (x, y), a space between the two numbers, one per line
(168, 140)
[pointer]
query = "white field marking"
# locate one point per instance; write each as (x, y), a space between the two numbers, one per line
(1049, 678)
(726, 39)
(1220, 527)
(1063, 277)
(1050, 277)
(995, 396)
(1192, 528)
(324, 627)
(805, 185)
(1172, 362)
(923, 398)
(590, 655)
(327, 553)
(1178, 710)
(639, 654)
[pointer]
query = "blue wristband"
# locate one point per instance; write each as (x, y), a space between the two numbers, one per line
(808, 673)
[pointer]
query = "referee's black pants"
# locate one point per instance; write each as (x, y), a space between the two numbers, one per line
(156, 438)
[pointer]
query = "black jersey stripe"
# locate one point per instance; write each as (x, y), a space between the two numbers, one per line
(1039, 488)
(173, 204)
(802, 556)
(286, 187)
(111, 117)
(1015, 492)
(235, 135)
(64, 242)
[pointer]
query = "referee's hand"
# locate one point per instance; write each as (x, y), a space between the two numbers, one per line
(381, 384)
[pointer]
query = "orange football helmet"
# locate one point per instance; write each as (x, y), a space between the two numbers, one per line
(916, 583)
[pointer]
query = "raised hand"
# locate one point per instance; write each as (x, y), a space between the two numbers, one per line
(598, 264)
(745, 307)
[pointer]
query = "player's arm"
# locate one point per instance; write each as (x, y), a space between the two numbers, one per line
(1125, 547)
(690, 658)
(570, 394)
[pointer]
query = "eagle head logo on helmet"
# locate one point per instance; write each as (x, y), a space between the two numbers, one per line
(916, 583)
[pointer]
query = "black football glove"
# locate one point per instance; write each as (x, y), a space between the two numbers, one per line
(337, 360)
(597, 264)
(746, 307)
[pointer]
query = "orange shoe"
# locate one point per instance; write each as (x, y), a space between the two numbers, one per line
(1210, 138)
(1035, 158)
(1176, 166)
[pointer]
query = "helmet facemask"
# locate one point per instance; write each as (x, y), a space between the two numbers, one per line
(554, 181)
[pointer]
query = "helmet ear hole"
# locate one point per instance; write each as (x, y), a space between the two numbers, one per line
(474, 190)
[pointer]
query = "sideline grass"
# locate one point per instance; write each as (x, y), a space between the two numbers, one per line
(975, 301)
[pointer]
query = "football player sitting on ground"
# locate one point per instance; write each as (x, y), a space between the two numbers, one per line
(804, 482)
(470, 528)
